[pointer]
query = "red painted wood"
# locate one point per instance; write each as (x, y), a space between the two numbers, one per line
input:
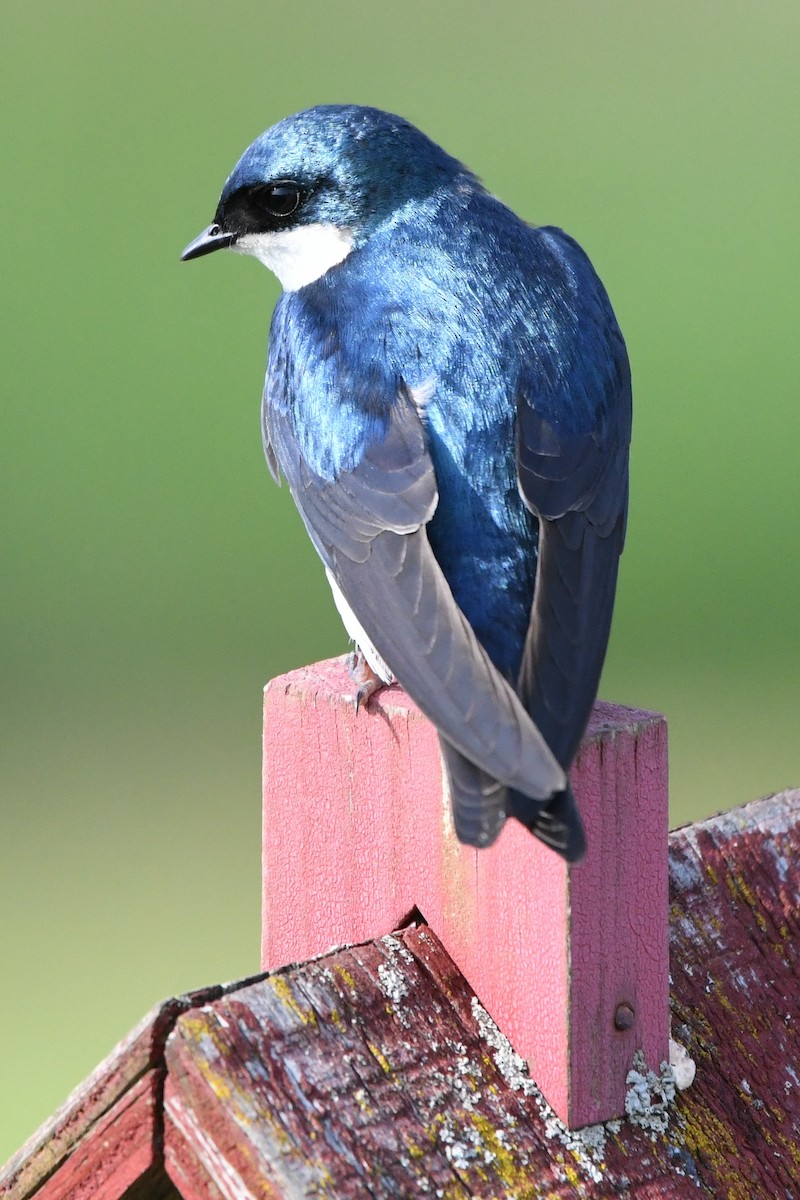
(373, 1072)
(735, 955)
(116, 1152)
(357, 833)
(94, 1102)
(189, 1157)
(89, 1103)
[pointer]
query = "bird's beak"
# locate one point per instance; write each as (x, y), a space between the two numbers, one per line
(210, 239)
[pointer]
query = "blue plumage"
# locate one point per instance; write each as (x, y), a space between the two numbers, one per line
(447, 388)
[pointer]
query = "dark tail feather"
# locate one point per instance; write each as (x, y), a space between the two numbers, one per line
(480, 805)
(556, 822)
(478, 801)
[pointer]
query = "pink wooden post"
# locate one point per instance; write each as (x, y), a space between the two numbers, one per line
(572, 963)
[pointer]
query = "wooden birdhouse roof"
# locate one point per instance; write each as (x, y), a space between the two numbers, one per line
(375, 1071)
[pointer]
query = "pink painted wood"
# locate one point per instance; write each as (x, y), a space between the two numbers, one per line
(357, 834)
(116, 1152)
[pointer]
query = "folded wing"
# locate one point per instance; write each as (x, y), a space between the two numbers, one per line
(369, 528)
(573, 434)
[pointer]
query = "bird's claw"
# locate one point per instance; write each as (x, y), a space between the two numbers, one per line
(363, 675)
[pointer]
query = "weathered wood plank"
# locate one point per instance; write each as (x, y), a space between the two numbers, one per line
(116, 1152)
(357, 833)
(190, 1162)
(88, 1103)
(735, 953)
(375, 1072)
(139, 1053)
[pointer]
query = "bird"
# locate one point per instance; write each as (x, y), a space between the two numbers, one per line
(448, 396)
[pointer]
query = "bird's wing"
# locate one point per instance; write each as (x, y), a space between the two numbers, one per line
(369, 528)
(573, 432)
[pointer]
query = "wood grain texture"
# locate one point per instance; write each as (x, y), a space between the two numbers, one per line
(189, 1160)
(369, 1073)
(119, 1148)
(735, 953)
(357, 833)
(50, 1145)
(99, 1101)
(375, 1072)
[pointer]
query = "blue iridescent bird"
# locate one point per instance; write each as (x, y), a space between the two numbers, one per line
(448, 396)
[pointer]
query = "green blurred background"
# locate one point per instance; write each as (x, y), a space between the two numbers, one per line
(153, 576)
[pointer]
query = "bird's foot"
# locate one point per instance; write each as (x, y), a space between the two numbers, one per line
(366, 680)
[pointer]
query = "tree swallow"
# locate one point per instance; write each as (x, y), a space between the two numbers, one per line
(448, 396)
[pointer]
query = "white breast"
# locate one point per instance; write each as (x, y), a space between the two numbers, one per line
(354, 630)
(298, 256)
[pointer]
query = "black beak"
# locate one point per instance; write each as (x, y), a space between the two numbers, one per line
(210, 239)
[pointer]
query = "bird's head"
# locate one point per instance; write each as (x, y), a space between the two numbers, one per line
(318, 184)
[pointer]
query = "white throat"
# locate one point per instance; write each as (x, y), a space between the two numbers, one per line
(298, 256)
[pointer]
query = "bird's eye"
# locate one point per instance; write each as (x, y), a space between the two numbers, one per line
(281, 199)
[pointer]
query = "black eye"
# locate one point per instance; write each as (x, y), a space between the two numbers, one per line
(281, 199)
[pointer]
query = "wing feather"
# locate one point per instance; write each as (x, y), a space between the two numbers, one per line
(369, 528)
(573, 475)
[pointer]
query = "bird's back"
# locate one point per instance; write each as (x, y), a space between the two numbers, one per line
(461, 301)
